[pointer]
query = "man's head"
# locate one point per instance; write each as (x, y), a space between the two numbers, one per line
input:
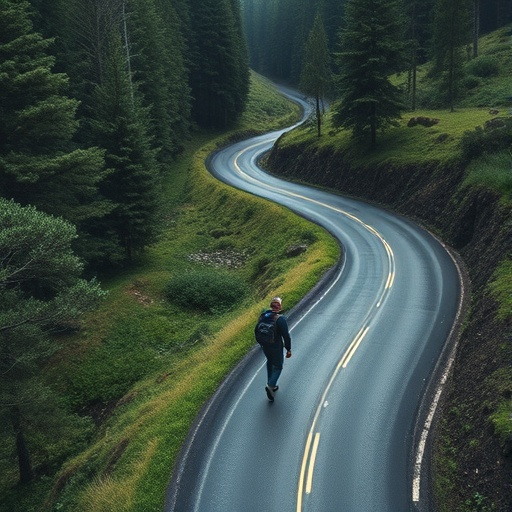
(275, 304)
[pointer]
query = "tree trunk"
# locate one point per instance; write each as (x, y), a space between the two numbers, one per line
(25, 466)
(373, 125)
(318, 116)
(476, 26)
(127, 50)
(451, 80)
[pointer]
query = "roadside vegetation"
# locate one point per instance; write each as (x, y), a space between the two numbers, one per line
(143, 364)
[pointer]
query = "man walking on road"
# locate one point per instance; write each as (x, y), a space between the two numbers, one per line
(274, 350)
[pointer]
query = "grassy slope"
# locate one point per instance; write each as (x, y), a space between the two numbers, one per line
(143, 365)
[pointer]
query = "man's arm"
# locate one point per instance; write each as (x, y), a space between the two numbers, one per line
(283, 331)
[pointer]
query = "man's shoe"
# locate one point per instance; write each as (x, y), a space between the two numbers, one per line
(270, 393)
(275, 388)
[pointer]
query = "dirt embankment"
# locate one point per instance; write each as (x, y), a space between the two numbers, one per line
(475, 464)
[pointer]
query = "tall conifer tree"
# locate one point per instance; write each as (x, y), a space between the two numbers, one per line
(157, 64)
(39, 164)
(451, 35)
(121, 125)
(219, 85)
(316, 73)
(371, 50)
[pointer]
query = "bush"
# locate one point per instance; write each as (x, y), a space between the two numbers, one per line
(483, 66)
(470, 82)
(487, 140)
(207, 289)
(492, 171)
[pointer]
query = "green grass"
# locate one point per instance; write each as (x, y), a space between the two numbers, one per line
(501, 288)
(401, 146)
(149, 362)
(492, 171)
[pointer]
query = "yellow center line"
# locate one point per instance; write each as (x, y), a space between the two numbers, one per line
(353, 347)
(309, 483)
(311, 448)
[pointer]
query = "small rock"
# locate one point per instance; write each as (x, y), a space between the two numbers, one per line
(296, 250)
(423, 121)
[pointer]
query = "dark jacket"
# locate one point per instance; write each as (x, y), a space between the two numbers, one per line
(282, 333)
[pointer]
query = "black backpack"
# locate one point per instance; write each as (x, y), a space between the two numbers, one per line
(266, 327)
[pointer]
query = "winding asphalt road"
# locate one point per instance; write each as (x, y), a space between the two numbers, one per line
(341, 433)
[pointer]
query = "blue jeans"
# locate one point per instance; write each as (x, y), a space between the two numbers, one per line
(274, 355)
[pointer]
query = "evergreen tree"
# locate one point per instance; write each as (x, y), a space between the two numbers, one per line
(242, 75)
(332, 14)
(417, 34)
(40, 292)
(371, 50)
(316, 73)
(219, 87)
(38, 162)
(451, 35)
(158, 66)
(121, 125)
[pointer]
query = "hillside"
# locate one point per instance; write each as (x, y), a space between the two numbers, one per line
(453, 177)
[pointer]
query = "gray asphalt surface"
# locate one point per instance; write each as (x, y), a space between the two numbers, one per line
(340, 434)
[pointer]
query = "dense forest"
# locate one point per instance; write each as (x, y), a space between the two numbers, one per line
(99, 97)
(277, 30)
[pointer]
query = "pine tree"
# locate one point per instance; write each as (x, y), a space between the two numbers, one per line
(39, 164)
(451, 35)
(40, 292)
(417, 35)
(121, 125)
(371, 50)
(158, 66)
(219, 86)
(316, 73)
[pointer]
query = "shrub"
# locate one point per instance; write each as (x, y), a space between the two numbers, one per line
(207, 289)
(483, 66)
(486, 140)
(470, 82)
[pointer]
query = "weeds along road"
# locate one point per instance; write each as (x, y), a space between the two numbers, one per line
(341, 435)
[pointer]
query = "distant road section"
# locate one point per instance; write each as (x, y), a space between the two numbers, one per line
(340, 435)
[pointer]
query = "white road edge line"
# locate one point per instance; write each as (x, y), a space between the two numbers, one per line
(416, 483)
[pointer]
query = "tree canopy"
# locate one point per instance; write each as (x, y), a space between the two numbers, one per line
(41, 292)
(371, 51)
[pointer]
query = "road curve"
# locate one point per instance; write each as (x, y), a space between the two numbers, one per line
(340, 434)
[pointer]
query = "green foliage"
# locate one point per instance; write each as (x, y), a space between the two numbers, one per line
(158, 63)
(491, 138)
(109, 371)
(502, 420)
(501, 287)
(315, 76)
(219, 74)
(207, 289)
(478, 503)
(277, 32)
(266, 107)
(40, 293)
(371, 51)
(483, 66)
(121, 126)
(493, 171)
(39, 164)
(451, 31)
